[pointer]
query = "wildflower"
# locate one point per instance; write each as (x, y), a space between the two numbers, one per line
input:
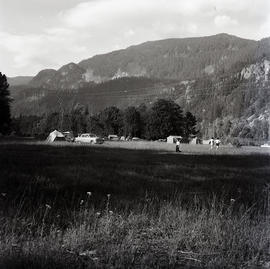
(89, 193)
(88, 253)
(95, 259)
(110, 212)
(232, 200)
(48, 206)
(108, 195)
(98, 214)
(81, 202)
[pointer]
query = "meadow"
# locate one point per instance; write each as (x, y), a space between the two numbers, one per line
(133, 205)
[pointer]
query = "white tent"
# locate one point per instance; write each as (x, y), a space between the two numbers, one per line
(195, 141)
(266, 145)
(173, 138)
(55, 136)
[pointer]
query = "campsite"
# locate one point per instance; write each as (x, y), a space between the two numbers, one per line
(168, 146)
(134, 134)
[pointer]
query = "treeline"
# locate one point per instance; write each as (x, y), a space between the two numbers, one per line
(160, 120)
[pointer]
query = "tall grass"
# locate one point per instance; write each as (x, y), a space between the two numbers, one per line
(94, 207)
(193, 236)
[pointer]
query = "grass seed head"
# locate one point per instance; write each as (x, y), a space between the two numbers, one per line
(98, 214)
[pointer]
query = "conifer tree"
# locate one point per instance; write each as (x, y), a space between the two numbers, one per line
(4, 105)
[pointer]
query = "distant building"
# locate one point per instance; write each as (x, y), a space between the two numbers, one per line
(173, 138)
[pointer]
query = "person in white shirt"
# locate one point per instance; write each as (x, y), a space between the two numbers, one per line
(217, 142)
(212, 142)
(177, 149)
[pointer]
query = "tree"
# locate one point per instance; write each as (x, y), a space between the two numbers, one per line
(95, 125)
(78, 119)
(131, 122)
(165, 118)
(143, 111)
(112, 120)
(190, 124)
(4, 105)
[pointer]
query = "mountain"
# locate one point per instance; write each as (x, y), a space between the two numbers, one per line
(181, 59)
(43, 78)
(217, 78)
(20, 80)
(70, 76)
(178, 59)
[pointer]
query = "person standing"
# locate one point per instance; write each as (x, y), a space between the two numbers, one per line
(177, 149)
(212, 142)
(217, 142)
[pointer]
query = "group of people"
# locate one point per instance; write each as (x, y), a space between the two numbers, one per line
(214, 142)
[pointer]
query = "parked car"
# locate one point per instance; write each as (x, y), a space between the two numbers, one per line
(113, 137)
(69, 136)
(89, 138)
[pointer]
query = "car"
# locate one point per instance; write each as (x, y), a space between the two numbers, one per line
(113, 137)
(69, 136)
(89, 138)
(162, 140)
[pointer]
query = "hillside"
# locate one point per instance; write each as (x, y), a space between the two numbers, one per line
(222, 79)
(181, 59)
(20, 80)
(178, 59)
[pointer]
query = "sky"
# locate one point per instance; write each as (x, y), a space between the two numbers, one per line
(40, 34)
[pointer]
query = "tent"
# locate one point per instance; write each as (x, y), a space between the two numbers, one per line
(266, 145)
(173, 138)
(195, 141)
(206, 141)
(55, 136)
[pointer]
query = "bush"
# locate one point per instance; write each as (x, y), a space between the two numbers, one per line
(236, 143)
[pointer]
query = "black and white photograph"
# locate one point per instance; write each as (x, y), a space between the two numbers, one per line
(134, 134)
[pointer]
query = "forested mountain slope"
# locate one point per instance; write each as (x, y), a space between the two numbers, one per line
(222, 79)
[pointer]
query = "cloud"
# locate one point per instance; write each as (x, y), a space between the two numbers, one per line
(84, 29)
(264, 30)
(96, 13)
(31, 53)
(222, 21)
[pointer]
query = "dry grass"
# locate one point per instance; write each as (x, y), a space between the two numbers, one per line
(194, 237)
(185, 148)
(163, 211)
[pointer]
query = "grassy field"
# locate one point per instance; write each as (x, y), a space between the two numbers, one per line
(133, 205)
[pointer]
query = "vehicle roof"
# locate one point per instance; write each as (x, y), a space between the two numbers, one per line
(88, 134)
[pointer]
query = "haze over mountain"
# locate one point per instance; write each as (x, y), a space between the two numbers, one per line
(230, 72)
(19, 80)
